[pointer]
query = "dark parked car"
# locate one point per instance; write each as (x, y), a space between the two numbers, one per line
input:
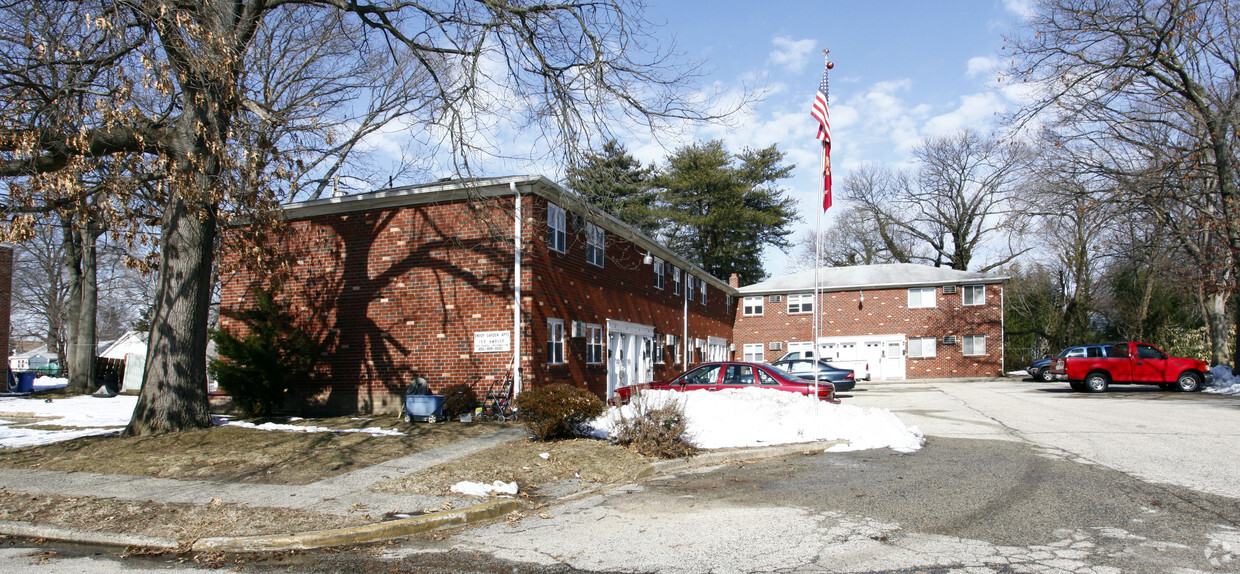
(1040, 369)
(843, 379)
(733, 375)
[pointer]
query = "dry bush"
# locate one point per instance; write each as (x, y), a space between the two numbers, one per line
(458, 399)
(556, 411)
(654, 428)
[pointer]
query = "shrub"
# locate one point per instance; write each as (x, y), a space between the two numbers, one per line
(654, 428)
(256, 369)
(458, 399)
(556, 411)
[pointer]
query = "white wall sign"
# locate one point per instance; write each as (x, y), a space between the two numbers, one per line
(492, 341)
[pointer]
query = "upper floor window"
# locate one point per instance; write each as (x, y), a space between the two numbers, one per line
(801, 303)
(675, 280)
(974, 294)
(690, 285)
(658, 273)
(973, 345)
(920, 297)
(557, 228)
(555, 341)
(595, 236)
(702, 290)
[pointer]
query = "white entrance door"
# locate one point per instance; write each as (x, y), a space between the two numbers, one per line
(630, 353)
(892, 365)
(878, 357)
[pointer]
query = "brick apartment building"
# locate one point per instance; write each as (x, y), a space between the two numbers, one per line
(421, 280)
(888, 321)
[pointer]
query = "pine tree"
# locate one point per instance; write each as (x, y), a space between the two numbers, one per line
(615, 182)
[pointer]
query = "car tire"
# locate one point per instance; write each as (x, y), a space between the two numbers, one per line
(1096, 383)
(1044, 375)
(1188, 382)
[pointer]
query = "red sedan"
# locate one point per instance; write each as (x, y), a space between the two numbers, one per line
(732, 375)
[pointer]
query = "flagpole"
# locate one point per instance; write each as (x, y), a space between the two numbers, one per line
(818, 261)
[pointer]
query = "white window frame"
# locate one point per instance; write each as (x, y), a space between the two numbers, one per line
(675, 280)
(973, 295)
(557, 228)
(917, 297)
(555, 342)
(969, 345)
(658, 273)
(754, 352)
(690, 285)
(660, 344)
(754, 306)
(919, 345)
(596, 239)
(800, 301)
(702, 288)
(594, 344)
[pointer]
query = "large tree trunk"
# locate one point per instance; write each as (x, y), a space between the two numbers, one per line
(81, 262)
(1214, 305)
(174, 386)
(72, 243)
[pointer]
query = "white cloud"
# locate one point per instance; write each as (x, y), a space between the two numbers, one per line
(982, 65)
(976, 112)
(1022, 8)
(789, 53)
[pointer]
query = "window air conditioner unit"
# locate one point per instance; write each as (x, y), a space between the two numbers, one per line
(949, 289)
(777, 298)
(949, 339)
(777, 346)
(579, 329)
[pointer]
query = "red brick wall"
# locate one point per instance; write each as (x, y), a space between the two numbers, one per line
(885, 312)
(390, 293)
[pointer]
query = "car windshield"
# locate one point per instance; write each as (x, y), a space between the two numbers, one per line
(1064, 353)
(781, 372)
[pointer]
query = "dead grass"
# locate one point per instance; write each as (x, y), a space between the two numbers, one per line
(590, 460)
(181, 522)
(233, 454)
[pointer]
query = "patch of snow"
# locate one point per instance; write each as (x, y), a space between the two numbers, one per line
(759, 417)
(81, 411)
(12, 437)
(1225, 381)
(499, 488)
(544, 455)
(373, 431)
(44, 383)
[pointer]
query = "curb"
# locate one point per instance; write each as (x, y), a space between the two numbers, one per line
(29, 530)
(358, 534)
(734, 455)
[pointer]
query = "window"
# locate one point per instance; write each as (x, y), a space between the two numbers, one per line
(690, 285)
(738, 375)
(702, 290)
(974, 345)
(676, 280)
(753, 352)
(920, 297)
(728, 301)
(555, 341)
(594, 344)
(658, 273)
(556, 228)
(753, 306)
(1145, 351)
(660, 348)
(594, 244)
(674, 342)
(801, 303)
(920, 347)
(973, 294)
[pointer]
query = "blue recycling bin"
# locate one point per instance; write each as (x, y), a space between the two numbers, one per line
(428, 408)
(25, 382)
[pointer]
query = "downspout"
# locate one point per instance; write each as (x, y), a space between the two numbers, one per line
(1002, 333)
(684, 299)
(516, 291)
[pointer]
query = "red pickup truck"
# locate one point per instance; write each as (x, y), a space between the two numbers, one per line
(1092, 368)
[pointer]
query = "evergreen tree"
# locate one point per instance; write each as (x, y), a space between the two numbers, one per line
(615, 182)
(256, 366)
(722, 209)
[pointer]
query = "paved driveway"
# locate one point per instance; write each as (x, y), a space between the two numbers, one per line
(1015, 477)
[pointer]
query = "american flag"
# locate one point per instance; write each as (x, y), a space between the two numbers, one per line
(820, 113)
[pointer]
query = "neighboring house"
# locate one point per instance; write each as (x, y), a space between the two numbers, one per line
(421, 281)
(130, 342)
(888, 321)
(36, 359)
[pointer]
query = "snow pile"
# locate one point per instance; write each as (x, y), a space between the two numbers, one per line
(373, 431)
(758, 417)
(93, 416)
(498, 487)
(1225, 381)
(45, 383)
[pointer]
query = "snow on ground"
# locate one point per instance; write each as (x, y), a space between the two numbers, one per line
(499, 488)
(1225, 381)
(758, 417)
(375, 431)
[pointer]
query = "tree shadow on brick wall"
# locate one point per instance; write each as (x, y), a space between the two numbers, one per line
(355, 300)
